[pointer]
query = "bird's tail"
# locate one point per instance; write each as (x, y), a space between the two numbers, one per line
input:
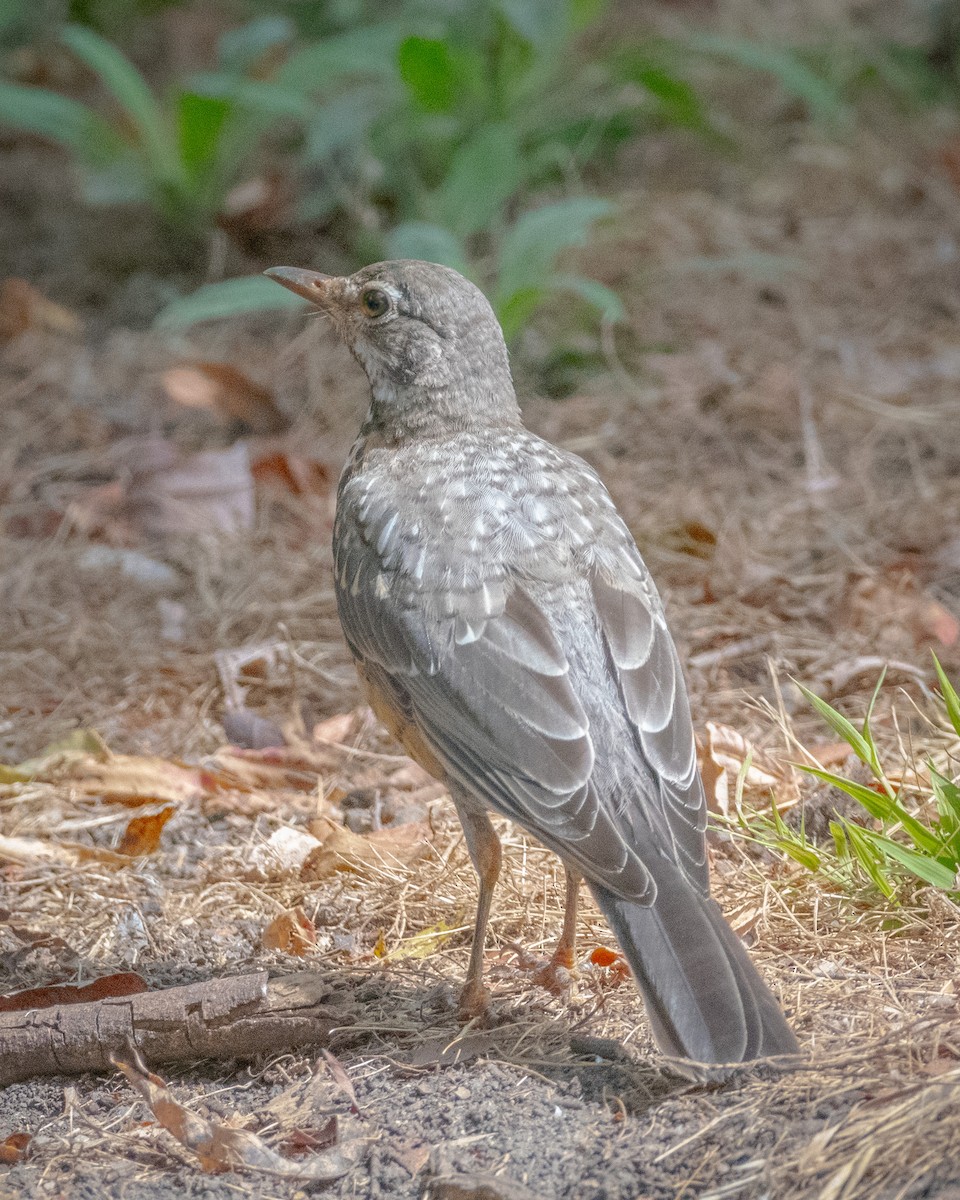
(705, 998)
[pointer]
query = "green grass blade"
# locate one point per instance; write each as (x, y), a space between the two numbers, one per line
(231, 298)
(869, 857)
(49, 115)
(841, 726)
(485, 172)
(370, 51)
(884, 808)
(532, 246)
(950, 698)
(785, 66)
(947, 795)
(122, 79)
(605, 300)
(420, 239)
(921, 865)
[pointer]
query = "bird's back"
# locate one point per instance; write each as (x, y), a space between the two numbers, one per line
(448, 533)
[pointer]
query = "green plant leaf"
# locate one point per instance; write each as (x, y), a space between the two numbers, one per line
(538, 21)
(428, 67)
(532, 245)
(947, 794)
(369, 51)
(869, 857)
(433, 243)
(883, 808)
(515, 311)
(679, 102)
(231, 298)
(786, 67)
(921, 865)
(605, 300)
(484, 173)
(341, 123)
(60, 119)
(950, 698)
(121, 78)
(241, 48)
(255, 95)
(840, 725)
(200, 121)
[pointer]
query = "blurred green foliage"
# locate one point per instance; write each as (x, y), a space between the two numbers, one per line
(468, 133)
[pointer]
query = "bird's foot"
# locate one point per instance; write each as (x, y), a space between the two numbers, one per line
(475, 1004)
(557, 974)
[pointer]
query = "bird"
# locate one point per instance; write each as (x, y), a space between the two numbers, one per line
(508, 633)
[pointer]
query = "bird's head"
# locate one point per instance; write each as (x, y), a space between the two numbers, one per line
(426, 337)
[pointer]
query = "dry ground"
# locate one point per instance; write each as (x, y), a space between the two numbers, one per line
(779, 425)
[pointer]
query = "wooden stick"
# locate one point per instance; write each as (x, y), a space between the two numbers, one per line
(240, 1017)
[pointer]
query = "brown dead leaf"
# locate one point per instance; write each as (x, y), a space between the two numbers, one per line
(338, 729)
(255, 205)
(220, 1147)
(885, 605)
(107, 987)
(283, 853)
(291, 932)
(413, 1156)
(292, 473)
(830, 754)
(340, 1077)
(249, 731)
(342, 850)
(477, 1186)
(602, 956)
(447, 1051)
(15, 1148)
(309, 1141)
(68, 854)
(723, 759)
(172, 492)
(229, 392)
(24, 307)
(142, 835)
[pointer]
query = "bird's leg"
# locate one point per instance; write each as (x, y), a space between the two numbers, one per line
(484, 847)
(565, 953)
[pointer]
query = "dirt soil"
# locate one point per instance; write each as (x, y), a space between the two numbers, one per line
(779, 424)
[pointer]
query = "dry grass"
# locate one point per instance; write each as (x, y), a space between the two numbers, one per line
(791, 471)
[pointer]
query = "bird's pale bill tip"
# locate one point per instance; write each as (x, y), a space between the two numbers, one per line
(309, 284)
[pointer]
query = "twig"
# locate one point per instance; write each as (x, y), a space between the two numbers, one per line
(240, 1017)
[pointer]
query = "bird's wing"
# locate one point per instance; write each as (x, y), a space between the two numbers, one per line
(461, 647)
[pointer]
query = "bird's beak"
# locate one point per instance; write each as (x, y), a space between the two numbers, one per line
(311, 285)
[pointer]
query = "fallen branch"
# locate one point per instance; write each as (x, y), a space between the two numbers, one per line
(240, 1017)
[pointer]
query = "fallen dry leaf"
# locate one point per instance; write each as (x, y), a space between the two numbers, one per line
(309, 1141)
(24, 307)
(172, 492)
(883, 606)
(292, 473)
(220, 1147)
(69, 854)
(229, 392)
(249, 731)
(122, 983)
(477, 1186)
(339, 729)
(142, 835)
(15, 1148)
(283, 853)
(290, 932)
(342, 850)
(340, 1077)
(723, 759)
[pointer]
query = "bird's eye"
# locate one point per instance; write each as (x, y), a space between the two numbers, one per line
(375, 303)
